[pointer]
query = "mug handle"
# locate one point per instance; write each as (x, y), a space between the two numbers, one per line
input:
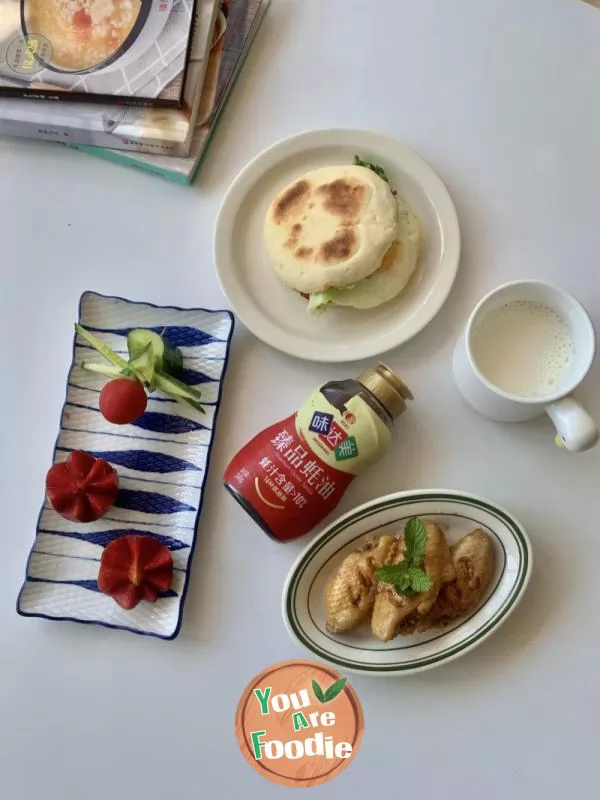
(576, 430)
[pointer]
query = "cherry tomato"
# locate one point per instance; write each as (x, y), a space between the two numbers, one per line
(122, 401)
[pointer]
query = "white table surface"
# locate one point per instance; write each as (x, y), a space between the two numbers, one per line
(501, 97)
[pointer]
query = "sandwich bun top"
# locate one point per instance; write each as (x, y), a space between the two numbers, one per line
(396, 268)
(330, 227)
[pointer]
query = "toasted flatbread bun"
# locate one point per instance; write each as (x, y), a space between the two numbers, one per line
(330, 228)
(398, 265)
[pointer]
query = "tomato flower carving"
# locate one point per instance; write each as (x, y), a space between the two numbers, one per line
(135, 568)
(82, 488)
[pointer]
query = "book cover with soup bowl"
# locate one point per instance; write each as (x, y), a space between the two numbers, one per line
(163, 131)
(239, 24)
(132, 51)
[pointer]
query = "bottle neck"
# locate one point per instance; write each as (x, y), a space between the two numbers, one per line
(378, 407)
(388, 389)
(338, 393)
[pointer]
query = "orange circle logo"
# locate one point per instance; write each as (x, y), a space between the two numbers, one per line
(299, 723)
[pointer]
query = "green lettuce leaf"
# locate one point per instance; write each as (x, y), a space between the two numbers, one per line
(318, 302)
(358, 161)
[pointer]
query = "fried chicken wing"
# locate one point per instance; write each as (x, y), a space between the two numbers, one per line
(351, 591)
(392, 609)
(473, 557)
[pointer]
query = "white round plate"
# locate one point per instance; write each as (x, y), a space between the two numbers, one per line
(458, 513)
(278, 315)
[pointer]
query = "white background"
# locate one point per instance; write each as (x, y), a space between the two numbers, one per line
(502, 98)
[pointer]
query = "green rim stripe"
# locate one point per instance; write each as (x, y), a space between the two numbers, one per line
(397, 503)
(438, 656)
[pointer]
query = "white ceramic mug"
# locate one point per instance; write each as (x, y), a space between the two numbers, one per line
(576, 430)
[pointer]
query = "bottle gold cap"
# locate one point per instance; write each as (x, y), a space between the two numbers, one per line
(388, 388)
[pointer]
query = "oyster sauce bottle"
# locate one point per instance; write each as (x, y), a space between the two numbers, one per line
(293, 474)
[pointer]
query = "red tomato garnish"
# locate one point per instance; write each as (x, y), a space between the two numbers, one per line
(135, 568)
(82, 26)
(81, 19)
(123, 401)
(82, 488)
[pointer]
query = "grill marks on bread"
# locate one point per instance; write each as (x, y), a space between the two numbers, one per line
(343, 198)
(292, 202)
(330, 227)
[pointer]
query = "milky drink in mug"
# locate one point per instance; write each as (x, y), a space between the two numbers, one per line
(293, 474)
(539, 338)
(526, 346)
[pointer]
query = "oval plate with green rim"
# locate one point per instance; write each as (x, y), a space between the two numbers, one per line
(457, 513)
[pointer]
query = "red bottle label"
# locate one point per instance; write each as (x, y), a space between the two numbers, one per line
(291, 488)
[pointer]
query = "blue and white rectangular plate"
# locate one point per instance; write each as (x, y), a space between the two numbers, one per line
(162, 461)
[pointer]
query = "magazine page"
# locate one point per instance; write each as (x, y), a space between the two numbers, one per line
(242, 18)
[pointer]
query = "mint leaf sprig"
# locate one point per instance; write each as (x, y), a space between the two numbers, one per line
(407, 577)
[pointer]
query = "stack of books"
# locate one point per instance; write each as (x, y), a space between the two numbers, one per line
(142, 83)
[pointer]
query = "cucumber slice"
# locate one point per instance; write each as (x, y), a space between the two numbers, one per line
(176, 387)
(140, 339)
(193, 403)
(143, 365)
(101, 347)
(178, 390)
(166, 358)
(106, 369)
(172, 360)
(152, 362)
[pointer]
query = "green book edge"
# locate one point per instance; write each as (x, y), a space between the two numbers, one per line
(125, 159)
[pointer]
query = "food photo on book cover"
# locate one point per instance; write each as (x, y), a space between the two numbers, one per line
(95, 50)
